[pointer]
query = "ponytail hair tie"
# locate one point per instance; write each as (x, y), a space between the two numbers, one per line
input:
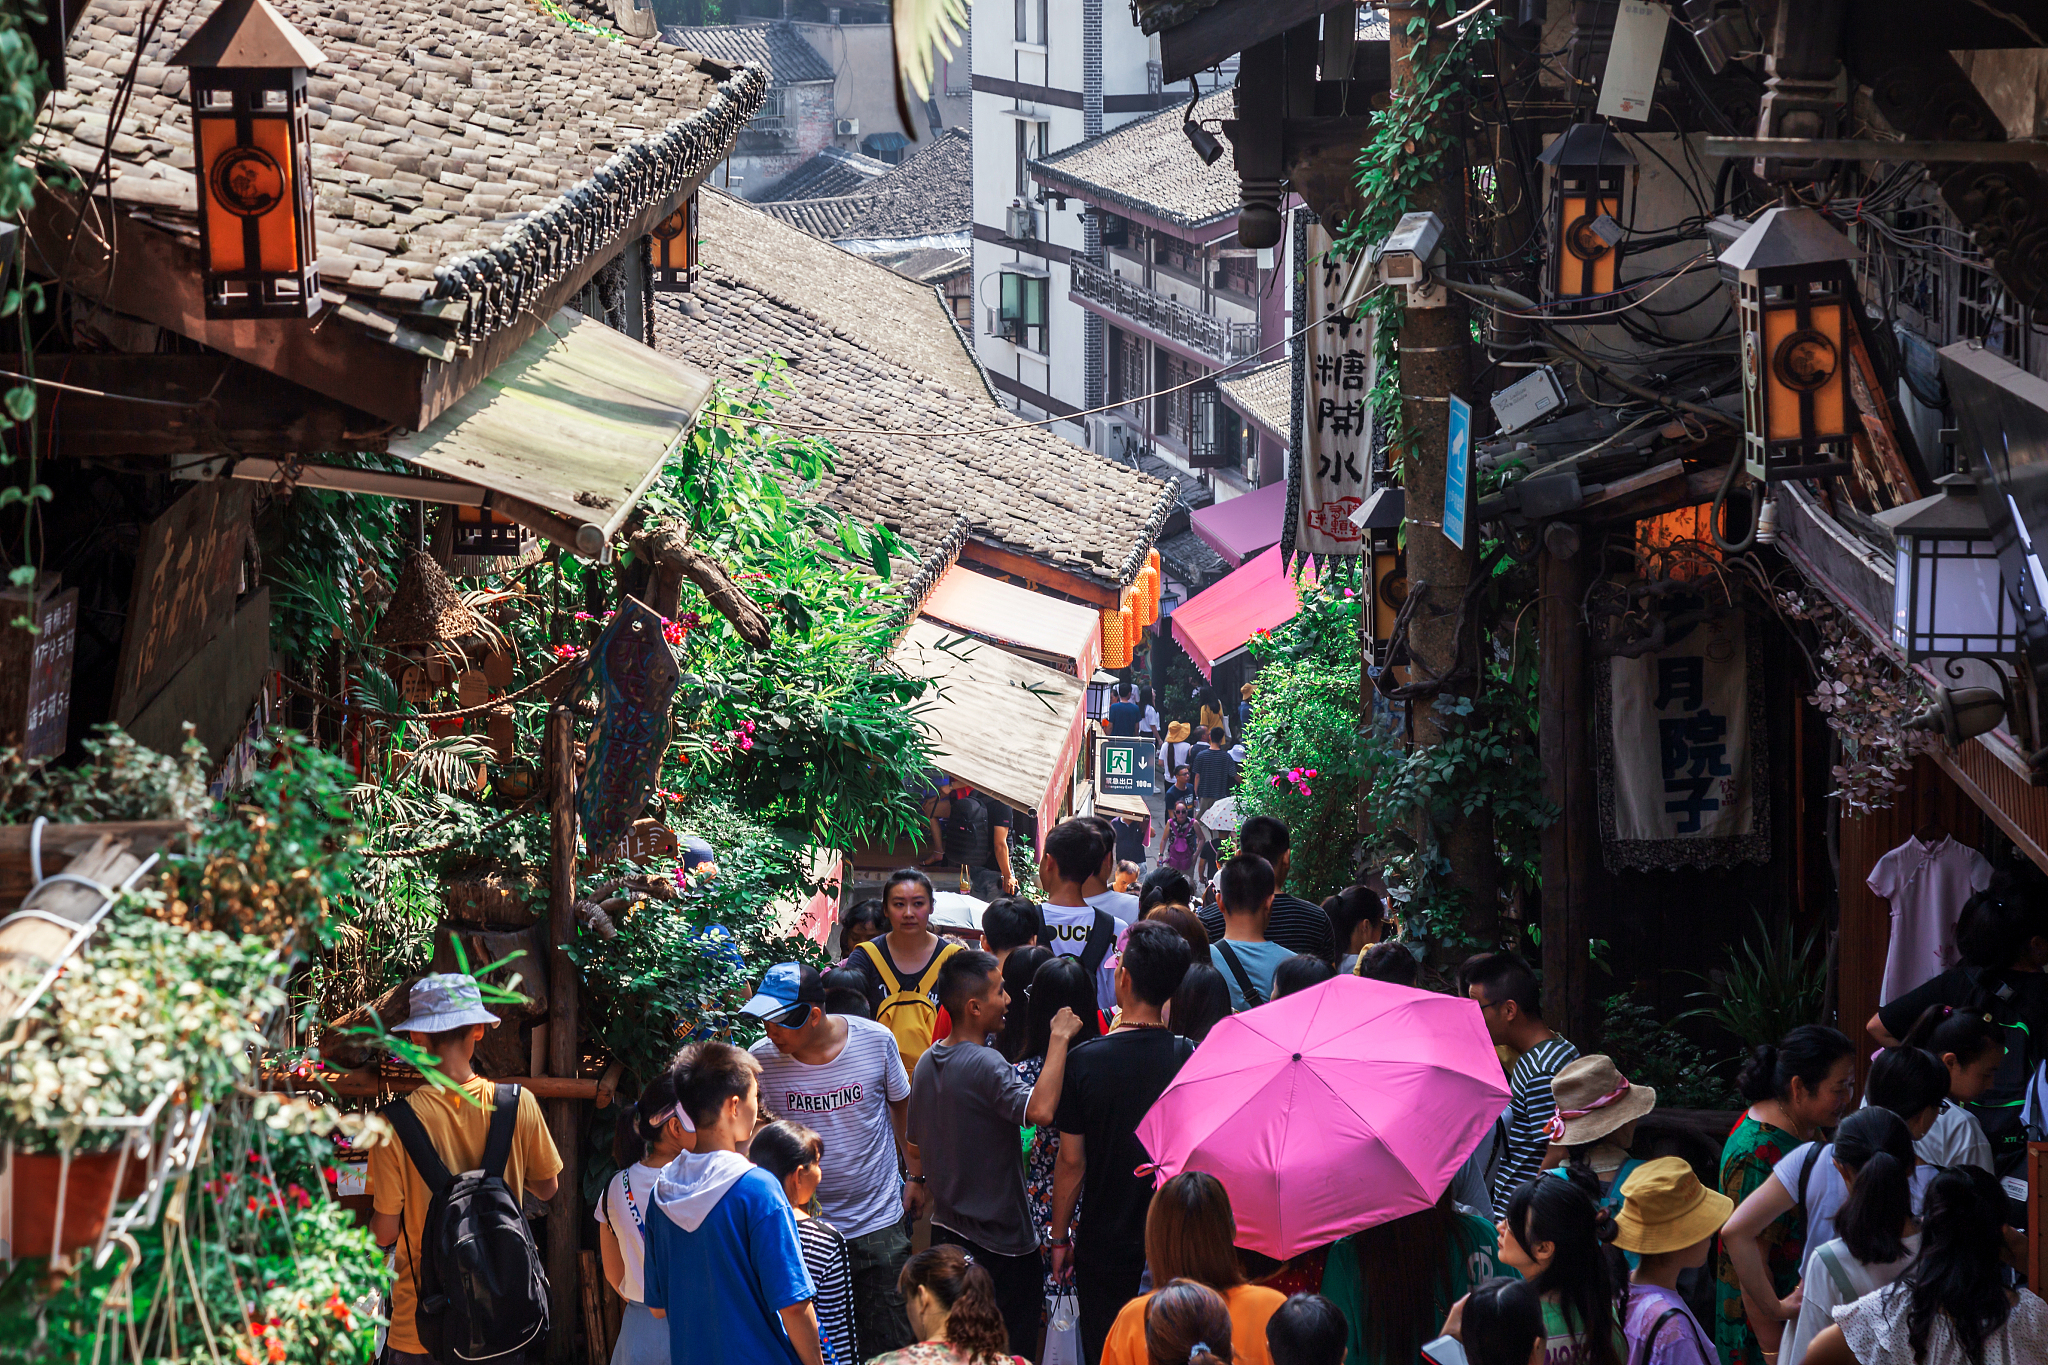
(966, 1258)
(1199, 1349)
(674, 1111)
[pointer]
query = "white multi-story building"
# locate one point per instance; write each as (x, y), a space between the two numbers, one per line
(1046, 74)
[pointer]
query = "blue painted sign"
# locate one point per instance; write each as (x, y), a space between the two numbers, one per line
(1458, 472)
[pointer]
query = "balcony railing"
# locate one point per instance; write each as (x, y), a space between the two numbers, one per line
(1218, 338)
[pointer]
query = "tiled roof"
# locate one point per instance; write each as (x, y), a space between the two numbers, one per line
(466, 153)
(871, 350)
(929, 195)
(1191, 560)
(1148, 166)
(831, 173)
(927, 265)
(787, 55)
(1266, 395)
(819, 217)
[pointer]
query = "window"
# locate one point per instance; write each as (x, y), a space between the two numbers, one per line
(1115, 231)
(1030, 146)
(1028, 13)
(1239, 274)
(771, 124)
(1022, 316)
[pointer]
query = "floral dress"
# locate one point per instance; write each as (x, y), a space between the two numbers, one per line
(1041, 1154)
(1749, 1155)
(934, 1353)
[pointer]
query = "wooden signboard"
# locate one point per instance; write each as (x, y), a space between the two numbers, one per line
(35, 667)
(186, 580)
(645, 839)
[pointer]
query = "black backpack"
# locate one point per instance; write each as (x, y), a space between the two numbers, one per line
(482, 1294)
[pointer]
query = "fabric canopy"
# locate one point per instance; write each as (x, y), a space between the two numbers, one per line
(1216, 622)
(1245, 525)
(569, 432)
(1003, 724)
(975, 602)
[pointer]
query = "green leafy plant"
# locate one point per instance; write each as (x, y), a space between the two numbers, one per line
(1773, 982)
(118, 780)
(1656, 1054)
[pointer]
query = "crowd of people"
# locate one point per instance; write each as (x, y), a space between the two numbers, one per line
(932, 1158)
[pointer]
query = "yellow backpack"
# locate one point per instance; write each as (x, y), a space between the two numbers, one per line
(908, 1011)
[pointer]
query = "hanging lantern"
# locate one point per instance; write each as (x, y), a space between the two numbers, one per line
(1589, 174)
(254, 168)
(675, 249)
(480, 531)
(1792, 298)
(1116, 644)
(1386, 567)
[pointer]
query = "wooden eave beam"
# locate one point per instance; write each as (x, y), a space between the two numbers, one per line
(154, 274)
(1228, 28)
(1092, 591)
(191, 404)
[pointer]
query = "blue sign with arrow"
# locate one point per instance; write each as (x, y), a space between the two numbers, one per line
(1458, 472)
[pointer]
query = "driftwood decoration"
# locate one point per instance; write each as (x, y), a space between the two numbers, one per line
(666, 545)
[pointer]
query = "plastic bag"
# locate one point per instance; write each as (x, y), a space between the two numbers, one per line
(1062, 1329)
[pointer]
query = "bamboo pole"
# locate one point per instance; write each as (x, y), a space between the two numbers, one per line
(565, 1210)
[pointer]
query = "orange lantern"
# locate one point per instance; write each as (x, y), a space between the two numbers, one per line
(1116, 642)
(254, 166)
(675, 249)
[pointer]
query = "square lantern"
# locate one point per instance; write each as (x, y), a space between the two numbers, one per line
(1589, 174)
(1948, 598)
(480, 531)
(1386, 567)
(254, 165)
(1792, 301)
(674, 264)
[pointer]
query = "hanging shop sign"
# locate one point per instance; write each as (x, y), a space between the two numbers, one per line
(38, 638)
(1458, 472)
(186, 581)
(636, 675)
(1681, 751)
(1333, 455)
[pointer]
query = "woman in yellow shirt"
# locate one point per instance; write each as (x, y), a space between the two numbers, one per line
(1191, 1234)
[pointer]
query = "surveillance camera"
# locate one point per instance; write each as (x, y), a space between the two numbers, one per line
(1404, 256)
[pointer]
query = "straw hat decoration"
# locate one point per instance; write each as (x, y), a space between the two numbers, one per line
(426, 611)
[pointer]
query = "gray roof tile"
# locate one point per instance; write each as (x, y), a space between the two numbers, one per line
(870, 350)
(1147, 165)
(834, 171)
(443, 129)
(778, 47)
(1266, 395)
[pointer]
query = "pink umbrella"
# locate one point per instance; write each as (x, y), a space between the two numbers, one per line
(1341, 1107)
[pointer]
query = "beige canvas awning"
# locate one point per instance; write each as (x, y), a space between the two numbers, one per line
(1006, 725)
(566, 435)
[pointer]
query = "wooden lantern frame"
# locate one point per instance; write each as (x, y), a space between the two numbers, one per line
(1590, 177)
(1793, 297)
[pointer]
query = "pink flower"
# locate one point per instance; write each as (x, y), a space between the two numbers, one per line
(566, 651)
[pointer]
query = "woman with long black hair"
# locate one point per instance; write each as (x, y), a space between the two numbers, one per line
(1060, 981)
(1972, 1048)
(650, 1134)
(1951, 1307)
(1395, 1282)
(1556, 1237)
(1879, 1236)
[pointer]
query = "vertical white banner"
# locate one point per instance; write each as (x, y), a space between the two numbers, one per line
(1630, 81)
(1336, 419)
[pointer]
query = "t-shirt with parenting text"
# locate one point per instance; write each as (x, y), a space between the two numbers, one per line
(846, 1102)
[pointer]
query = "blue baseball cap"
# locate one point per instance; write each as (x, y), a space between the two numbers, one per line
(695, 852)
(787, 993)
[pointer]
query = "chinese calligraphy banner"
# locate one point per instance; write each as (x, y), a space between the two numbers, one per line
(1681, 760)
(1333, 457)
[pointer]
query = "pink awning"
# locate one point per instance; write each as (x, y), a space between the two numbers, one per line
(1245, 525)
(1216, 622)
(970, 601)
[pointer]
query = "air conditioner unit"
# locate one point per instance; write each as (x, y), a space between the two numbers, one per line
(1107, 435)
(847, 127)
(1021, 221)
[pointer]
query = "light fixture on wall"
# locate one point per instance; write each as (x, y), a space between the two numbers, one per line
(1949, 603)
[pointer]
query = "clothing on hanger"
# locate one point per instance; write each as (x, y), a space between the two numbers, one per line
(1926, 882)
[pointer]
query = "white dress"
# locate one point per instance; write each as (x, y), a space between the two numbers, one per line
(1956, 1139)
(1822, 1290)
(1876, 1329)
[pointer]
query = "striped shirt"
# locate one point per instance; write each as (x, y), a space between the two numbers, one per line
(831, 1270)
(1530, 1108)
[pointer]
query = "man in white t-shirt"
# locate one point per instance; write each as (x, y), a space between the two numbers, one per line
(842, 1077)
(1122, 905)
(1074, 926)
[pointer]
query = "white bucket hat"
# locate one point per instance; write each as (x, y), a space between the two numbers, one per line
(443, 1001)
